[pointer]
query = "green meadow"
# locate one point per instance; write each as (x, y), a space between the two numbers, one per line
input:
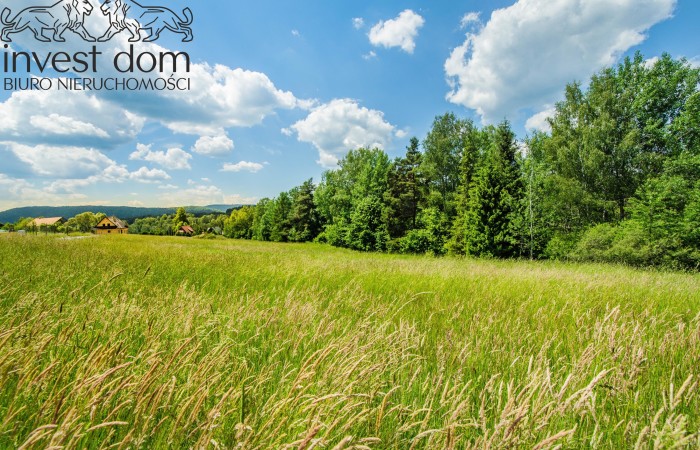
(156, 342)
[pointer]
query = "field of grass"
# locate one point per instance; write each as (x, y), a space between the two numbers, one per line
(139, 342)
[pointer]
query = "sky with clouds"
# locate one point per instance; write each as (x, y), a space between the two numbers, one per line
(281, 90)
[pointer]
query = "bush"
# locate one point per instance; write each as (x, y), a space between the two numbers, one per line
(560, 246)
(366, 231)
(418, 241)
(334, 235)
(630, 243)
(208, 236)
(594, 245)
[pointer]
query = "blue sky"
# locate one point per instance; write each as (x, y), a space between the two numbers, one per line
(281, 90)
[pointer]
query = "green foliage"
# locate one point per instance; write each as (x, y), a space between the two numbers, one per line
(351, 201)
(367, 231)
(493, 222)
(476, 146)
(609, 140)
(560, 246)
(537, 209)
(159, 226)
(23, 223)
(240, 224)
(262, 221)
(333, 234)
(180, 219)
(165, 225)
(686, 128)
(405, 192)
(444, 146)
(417, 242)
(278, 212)
(83, 222)
(663, 227)
(303, 218)
(626, 243)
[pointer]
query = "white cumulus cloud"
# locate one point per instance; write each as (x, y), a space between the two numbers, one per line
(342, 125)
(16, 192)
(72, 169)
(145, 175)
(60, 162)
(469, 19)
(242, 166)
(172, 158)
(66, 118)
(114, 174)
(197, 195)
(223, 98)
(401, 133)
(220, 145)
(62, 125)
(399, 32)
(539, 121)
(524, 55)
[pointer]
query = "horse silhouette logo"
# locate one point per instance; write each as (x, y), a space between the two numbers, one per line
(59, 17)
(133, 17)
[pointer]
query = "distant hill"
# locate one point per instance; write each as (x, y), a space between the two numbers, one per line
(123, 212)
(222, 208)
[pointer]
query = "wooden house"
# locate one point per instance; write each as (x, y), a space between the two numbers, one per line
(214, 230)
(47, 223)
(185, 230)
(111, 225)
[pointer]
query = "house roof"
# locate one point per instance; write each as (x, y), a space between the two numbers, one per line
(49, 221)
(118, 222)
(187, 229)
(115, 221)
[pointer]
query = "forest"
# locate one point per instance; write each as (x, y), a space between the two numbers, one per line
(617, 179)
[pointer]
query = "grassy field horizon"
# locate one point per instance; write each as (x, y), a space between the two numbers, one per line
(155, 342)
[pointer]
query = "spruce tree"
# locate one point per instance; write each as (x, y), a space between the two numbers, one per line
(304, 217)
(405, 191)
(495, 200)
(468, 166)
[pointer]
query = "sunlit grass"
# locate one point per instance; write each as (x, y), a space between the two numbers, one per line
(138, 342)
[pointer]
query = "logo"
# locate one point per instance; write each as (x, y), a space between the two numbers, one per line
(70, 15)
(131, 16)
(61, 16)
(132, 69)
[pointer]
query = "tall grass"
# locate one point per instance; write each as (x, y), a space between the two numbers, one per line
(138, 342)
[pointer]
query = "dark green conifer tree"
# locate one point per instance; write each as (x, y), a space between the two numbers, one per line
(495, 200)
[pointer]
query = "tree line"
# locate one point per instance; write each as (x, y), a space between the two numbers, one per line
(161, 225)
(617, 179)
(168, 224)
(80, 223)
